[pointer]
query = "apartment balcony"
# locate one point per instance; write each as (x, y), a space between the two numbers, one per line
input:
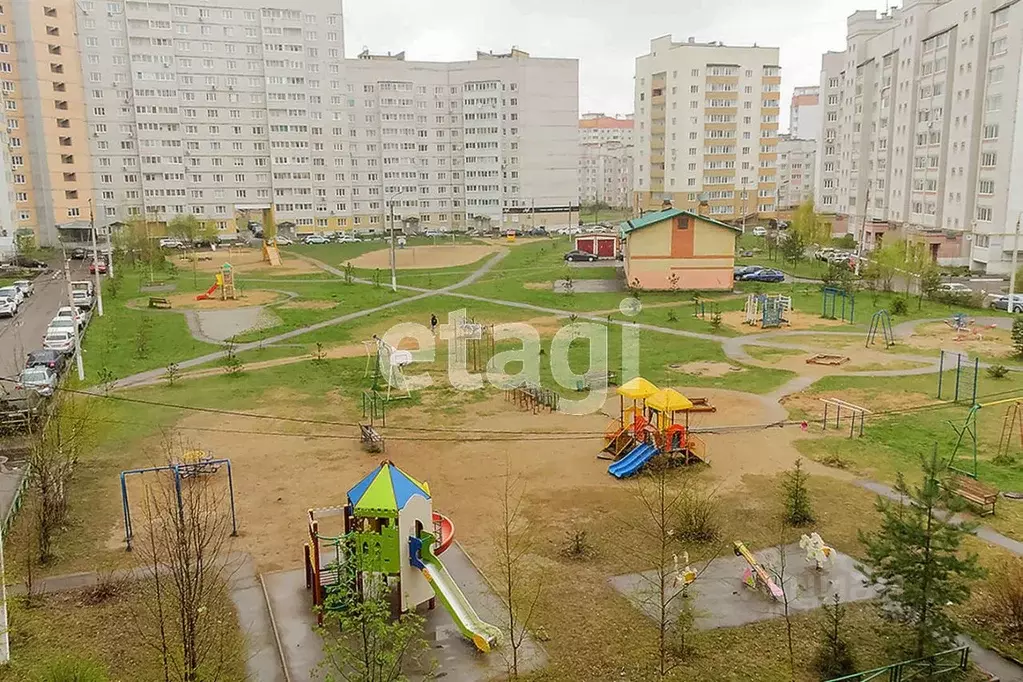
(657, 129)
(657, 174)
(657, 157)
(657, 100)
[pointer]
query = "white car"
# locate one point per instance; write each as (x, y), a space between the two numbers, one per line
(59, 340)
(25, 285)
(954, 288)
(13, 292)
(759, 231)
(167, 243)
(81, 299)
(42, 380)
(82, 317)
(8, 307)
(348, 239)
(283, 241)
(61, 324)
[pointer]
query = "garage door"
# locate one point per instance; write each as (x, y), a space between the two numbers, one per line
(606, 248)
(586, 245)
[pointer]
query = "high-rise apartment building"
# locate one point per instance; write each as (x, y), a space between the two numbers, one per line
(219, 110)
(797, 161)
(920, 130)
(707, 127)
(44, 102)
(8, 217)
(805, 113)
(605, 160)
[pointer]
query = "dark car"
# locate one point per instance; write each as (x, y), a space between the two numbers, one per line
(78, 254)
(765, 275)
(46, 358)
(740, 271)
(577, 255)
(538, 232)
(26, 262)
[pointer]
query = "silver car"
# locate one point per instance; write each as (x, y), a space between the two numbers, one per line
(8, 307)
(59, 340)
(42, 380)
(13, 292)
(25, 286)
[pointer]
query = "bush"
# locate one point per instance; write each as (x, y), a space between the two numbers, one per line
(1005, 598)
(997, 371)
(698, 518)
(900, 306)
(577, 546)
(73, 670)
(1017, 336)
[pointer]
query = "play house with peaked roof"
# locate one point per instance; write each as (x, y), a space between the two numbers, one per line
(676, 249)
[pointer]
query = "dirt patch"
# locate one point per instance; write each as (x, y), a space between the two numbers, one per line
(705, 369)
(243, 259)
(797, 320)
(989, 341)
(810, 404)
(538, 286)
(246, 299)
(422, 257)
(309, 305)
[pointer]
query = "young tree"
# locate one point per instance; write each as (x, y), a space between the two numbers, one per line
(186, 227)
(513, 547)
(915, 560)
(798, 507)
(181, 551)
(834, 655)
(809, 225)
(365, 644)
(793, 248)
(930, 279)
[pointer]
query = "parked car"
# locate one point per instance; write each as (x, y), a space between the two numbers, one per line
(348, 239)
(575, 255)
(167, 243)
(82, 317)
(823, 254)
(46, 358)
(954, 288)
(315, 239)
(78, 254)
(283, 241)
(38, 379)
(8, 306)
(13, 292)
(26, 262)
(81, 299)
(100, 265)
(62, 323)
(759, 231)
(764, 275)
(1002, 303)
(436, 233)
(26, 286)
(741, 271)
(85, 285)
(59, 340)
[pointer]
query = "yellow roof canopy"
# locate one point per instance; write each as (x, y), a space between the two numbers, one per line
(637, 389)
(669, 400)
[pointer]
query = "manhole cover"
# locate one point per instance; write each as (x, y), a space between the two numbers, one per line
(1013, 495)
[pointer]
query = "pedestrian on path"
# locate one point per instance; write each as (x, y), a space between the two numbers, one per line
(433, 323)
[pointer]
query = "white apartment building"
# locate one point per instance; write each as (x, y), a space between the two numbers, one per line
(605, 173)
(8, 215)
(597, 128)
(805, 113)
(797, 161)
(707, 127)
(920, 133)
(217, 110)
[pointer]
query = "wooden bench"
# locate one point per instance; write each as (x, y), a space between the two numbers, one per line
(973, 491)
(159, 302)
(370, 439)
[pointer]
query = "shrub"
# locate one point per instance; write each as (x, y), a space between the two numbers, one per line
(715, 320)
(698, 517)
(73, 670)
(577, 546)
(1005, 604)
(798, 508)
(997, 371)
(171, 373)
(1017, 336)
(900, 306)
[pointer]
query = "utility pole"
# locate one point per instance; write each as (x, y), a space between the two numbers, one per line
(110, 253)
(1012, 275)
(863, 230)
(5, 637)
(95, 261)
(745, 196)
(71, 302)
(394, 263)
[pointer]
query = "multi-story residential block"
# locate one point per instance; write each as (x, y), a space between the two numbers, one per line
(707, 128)
(8, 217)
(605, 161)
(920, 130)
(805, 113)
(44, 101)
(797, 161)
(221, 110)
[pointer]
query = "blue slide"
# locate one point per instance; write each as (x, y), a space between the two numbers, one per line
(633, 462)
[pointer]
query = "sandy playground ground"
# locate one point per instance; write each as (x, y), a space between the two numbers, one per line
(278, 478)
(735, 319)
(977, 339)
(423, 257)
(247, 298)
(244, 259)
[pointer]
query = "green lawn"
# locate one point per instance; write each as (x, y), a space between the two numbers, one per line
(604, 215)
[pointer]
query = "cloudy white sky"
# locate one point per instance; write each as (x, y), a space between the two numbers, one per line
(604, 35)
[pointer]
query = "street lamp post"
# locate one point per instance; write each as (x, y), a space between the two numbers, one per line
(95, 261)
(394, 266)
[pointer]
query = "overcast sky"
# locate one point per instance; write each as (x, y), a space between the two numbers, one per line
(605, 36)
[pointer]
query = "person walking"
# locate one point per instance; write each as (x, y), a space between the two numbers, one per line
(433, 323)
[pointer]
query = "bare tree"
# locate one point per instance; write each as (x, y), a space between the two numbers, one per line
(779, 575)
(513, 546)
(55, 448)
(182, 555)
(657, 529)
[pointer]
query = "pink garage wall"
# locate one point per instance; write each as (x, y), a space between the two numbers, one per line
(704, 280)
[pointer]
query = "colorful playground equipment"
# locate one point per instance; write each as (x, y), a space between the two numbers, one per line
(389, 546)
(271, 254)
(882, 322)
(649, 428)
(816, 551)
(756, 576)
(225, 282)
(388, 364)
(767, 310)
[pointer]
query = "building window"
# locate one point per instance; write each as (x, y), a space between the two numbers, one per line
(984, 214)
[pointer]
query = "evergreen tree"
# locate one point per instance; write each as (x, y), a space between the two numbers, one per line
(798, 508)
(914, 560)
(1017, 336)
(834, 657)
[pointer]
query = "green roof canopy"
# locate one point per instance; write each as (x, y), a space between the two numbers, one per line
(385, 491)
(649, 219)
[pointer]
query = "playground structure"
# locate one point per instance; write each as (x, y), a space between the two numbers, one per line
(830, 308)
(374, 406)
(824, 359)
(756, 576)
(767, 310)
(881, 321)
(700, 308)
(271, 254)
(474, 341)
(224, 281)
(192, 464)
(388, 548)
(816, 551)
(1012, 424)
(855, 411)
(533, 398)
(649, 428)
(388, 367)
(928, 667)
(964, 388)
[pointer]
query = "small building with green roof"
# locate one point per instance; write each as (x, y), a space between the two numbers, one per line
(677, 249)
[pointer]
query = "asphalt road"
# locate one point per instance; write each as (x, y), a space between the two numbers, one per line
(24, 332)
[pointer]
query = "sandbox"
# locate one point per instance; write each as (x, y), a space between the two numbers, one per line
(424, 257)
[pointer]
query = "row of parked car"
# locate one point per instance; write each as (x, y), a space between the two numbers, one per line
(11, 297)
(45, 367)
(757, 273)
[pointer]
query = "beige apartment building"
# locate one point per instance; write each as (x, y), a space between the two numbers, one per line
(707, 128)
(797, 160)
(606, 159)
(44, 102)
